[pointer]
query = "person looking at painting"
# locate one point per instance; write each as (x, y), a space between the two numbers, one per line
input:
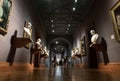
(94, 37)
(1, 11)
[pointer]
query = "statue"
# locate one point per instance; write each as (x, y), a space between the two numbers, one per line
(1, 10)
(76, 50)
(37, 53)
(46, 51)
(94, 49)
(72, 53)
(27, 29)
(94, 37)
(27, 32)
(38, 44)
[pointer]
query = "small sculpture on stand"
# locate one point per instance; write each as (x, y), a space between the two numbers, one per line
(46, 51)
(36, 52)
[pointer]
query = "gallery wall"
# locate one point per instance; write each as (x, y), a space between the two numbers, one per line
(100, 16)
(21, 11)
(104, 27)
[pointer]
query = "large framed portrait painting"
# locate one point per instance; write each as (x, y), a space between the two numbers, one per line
(115, 14)
(5, 7)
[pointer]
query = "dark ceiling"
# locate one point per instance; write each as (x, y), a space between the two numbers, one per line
(58, 16)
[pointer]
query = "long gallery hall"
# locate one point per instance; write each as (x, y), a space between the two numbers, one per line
(59, 40)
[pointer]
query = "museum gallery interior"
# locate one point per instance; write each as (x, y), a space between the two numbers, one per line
(59, 40)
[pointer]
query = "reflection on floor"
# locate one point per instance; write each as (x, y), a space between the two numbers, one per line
(58, 73)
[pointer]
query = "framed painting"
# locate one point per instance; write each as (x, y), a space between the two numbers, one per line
(27, 32)
(83, 46)
(5, 7)
(115, 14)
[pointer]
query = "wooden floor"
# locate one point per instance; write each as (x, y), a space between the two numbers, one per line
(58, 73)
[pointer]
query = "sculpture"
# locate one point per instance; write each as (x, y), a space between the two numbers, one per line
(27, 32)
(46, 51)
(95, 48)
(38, 44)
(94, 37)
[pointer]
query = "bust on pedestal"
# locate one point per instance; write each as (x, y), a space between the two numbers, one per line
(94, 37)
(93, 58)
(38, 46)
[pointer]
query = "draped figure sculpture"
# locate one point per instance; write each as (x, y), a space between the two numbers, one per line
(94, 37)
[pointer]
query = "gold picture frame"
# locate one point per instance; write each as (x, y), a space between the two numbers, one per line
(115, 14)
(83, 46)
(5, 8)
(27, 32)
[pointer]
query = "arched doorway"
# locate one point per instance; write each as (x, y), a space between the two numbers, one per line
(60, 48)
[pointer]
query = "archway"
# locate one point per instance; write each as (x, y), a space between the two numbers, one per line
(59, 49)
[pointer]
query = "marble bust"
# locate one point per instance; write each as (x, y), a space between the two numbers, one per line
(94, 37)
(46, 51)
(38, 43)
(76, 50)
(72, 53)
(27, 29)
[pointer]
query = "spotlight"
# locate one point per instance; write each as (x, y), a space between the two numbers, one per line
(52, 25)
(53, 30)
(76, 1)
(73, 8)
(67, 28)
(52, 21)
(56, 42)
(68, 25)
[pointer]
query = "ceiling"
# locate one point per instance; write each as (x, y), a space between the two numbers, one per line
(58, 16)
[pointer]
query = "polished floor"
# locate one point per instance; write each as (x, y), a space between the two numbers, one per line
(58, 73)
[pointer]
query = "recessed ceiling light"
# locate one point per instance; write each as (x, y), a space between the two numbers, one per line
(56, 42)
(73, 8)
(75, 0)
(52, 21)
(52, 25)
(53, 30)
(67, 32)
(68, 25)
(67, 28)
